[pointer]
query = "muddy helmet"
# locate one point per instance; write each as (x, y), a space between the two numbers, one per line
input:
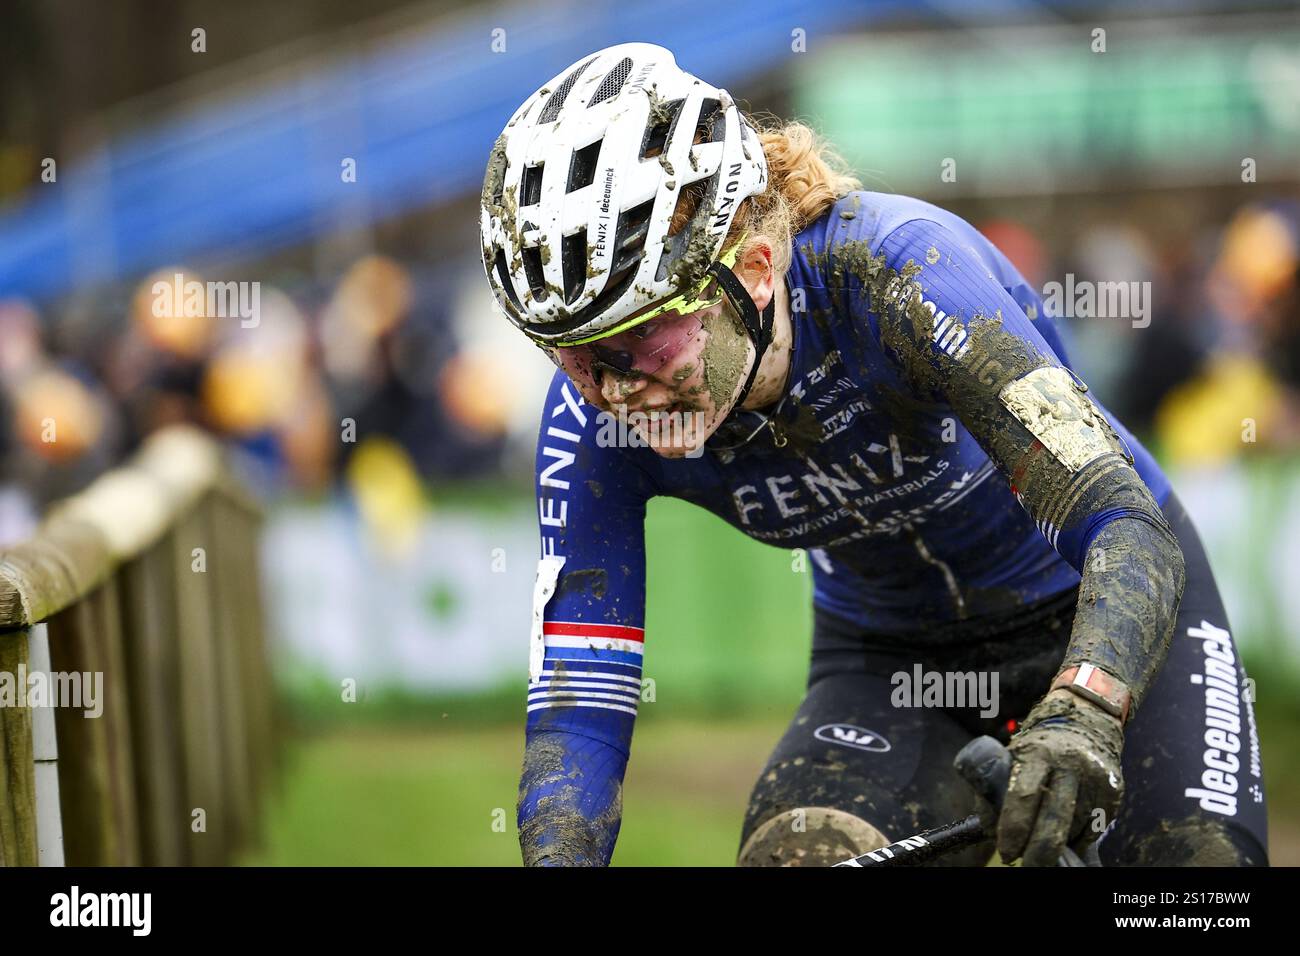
(582, 184)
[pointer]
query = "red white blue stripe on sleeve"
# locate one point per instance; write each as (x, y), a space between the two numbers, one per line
(589, 665)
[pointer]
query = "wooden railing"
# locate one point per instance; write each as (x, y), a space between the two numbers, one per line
(138, 602)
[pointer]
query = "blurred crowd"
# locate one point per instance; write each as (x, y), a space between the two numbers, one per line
(364, 380)
(361, 379)
(1213, 372)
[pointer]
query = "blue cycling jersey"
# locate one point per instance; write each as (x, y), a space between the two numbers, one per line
(906, 517)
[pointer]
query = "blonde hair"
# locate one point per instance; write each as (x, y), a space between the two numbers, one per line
(805, 177)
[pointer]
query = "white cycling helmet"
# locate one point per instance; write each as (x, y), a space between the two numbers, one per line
(582, 184)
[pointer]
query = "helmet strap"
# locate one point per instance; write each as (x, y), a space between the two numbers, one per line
(758, 325)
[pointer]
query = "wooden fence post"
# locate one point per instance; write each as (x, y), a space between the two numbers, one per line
(225, 575)
(17, 767)
(97, 779)
(200, 707)
(153, 668)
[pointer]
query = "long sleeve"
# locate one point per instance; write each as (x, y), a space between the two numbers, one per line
(589, 611)
(958, 336)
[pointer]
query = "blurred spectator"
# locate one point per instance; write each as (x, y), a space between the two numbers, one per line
(1247, 395)
(1021, 246)
(60, 423)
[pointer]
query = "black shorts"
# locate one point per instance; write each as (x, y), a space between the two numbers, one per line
(859, 743)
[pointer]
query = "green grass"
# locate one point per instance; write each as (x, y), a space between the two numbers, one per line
(411, 795)
(445, 794)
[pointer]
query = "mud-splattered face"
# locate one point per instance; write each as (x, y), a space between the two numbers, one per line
(675, 378)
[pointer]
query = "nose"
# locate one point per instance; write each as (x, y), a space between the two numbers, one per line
(618, 388)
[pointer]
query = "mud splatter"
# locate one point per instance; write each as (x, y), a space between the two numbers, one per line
(495, 176)
(1190, 842)
(591, 581)
(725, 357)
(694, 260)
(1128, 604)
(558, 832)
(659, 111)
(510, 209)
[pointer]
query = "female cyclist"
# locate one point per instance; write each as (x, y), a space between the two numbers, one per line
(736, 323)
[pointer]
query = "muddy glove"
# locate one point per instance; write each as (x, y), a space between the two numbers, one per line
(1065, 765)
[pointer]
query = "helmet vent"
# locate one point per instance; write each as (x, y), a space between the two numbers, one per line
(573, 260)
(582, 168)
(629, 241)
(699, 197)
(530, 190)
(503, 274)
(556, 102)
(613, 81)
(688, 202)
(656, 135)
(711, 127)
(532, 256)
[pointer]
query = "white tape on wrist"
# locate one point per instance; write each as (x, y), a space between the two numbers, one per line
(548, 572)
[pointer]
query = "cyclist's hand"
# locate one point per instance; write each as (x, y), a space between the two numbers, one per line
(1065, 767)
